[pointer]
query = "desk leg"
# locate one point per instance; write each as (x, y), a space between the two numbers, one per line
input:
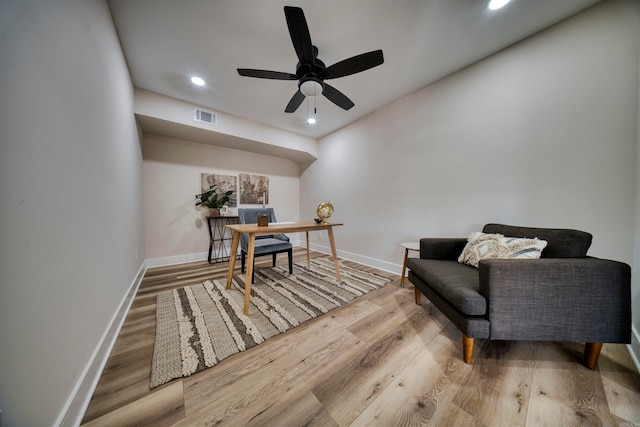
(404, 266)
(308, 257)
(334, 253)
(247, 282)
(232, 258)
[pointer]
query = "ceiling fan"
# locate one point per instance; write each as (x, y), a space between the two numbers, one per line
(311, 72)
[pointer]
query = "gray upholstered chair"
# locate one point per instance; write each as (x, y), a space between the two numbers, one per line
(272, 244)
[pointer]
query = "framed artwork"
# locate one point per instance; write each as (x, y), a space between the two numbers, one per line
(254, 189)
(223, 183)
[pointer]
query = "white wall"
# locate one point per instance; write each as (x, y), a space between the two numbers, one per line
(175, 230)
(71, 197)
(540, 134)
(635, 276)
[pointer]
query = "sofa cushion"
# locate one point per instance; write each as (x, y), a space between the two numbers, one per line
(457, 283)
(495, 246)
(561, 242)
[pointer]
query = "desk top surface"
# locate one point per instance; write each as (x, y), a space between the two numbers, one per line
(281, 227)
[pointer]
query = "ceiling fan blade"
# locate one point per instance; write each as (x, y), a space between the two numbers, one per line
(337, 97)
(355, 64)
(299, 32)
(295, 102)
(265, 74)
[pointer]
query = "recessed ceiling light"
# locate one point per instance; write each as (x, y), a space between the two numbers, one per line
(311, 121)
(197, 81)
(497, 4)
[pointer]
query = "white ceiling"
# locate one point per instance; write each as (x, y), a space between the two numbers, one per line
(167, 41)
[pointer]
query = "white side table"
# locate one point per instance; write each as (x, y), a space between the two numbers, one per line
(408, 246)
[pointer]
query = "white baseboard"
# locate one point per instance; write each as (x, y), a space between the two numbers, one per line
(177, 259)
(360, 259)
(78, 401)
(634, 347)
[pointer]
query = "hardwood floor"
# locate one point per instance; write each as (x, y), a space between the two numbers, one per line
(381, 360)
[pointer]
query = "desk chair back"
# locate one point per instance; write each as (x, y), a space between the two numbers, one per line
(264, 245)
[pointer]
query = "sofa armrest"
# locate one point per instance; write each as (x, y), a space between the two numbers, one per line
(441, 248)
(558, 299)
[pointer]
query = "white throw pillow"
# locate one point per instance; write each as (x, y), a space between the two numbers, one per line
(515, 248)
(478, 246)
(496, 246)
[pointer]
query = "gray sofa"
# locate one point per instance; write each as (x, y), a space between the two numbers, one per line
(563, 296)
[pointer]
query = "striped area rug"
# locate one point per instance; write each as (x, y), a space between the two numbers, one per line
(200, 325)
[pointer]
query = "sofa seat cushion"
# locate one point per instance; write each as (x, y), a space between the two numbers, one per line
(456, 283)
(270, 245)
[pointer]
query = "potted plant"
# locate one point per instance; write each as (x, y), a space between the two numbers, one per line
(212, 200)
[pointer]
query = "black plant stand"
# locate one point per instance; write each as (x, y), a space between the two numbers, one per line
(218, 235)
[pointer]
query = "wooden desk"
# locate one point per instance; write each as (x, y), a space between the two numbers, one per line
(254, 230)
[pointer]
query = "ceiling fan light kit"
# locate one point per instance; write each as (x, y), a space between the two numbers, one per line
(311, 86)
(311, 72)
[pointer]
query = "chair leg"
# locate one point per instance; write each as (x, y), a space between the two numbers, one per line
(290, 253)
(242, 259)
(591, 354)
(418, 294)
(274, 259)
(467, 349)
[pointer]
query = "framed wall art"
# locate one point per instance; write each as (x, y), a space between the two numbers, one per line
(223, 183)
(254, 189)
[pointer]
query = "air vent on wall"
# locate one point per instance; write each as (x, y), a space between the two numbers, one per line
(207, 117)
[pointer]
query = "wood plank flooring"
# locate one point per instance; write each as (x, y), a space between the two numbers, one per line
(380, 361)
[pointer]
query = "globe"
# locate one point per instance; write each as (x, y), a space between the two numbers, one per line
(324, 211)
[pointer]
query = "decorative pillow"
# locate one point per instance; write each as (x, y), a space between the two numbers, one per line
(478, 246)
(516, 248)
(495, 246)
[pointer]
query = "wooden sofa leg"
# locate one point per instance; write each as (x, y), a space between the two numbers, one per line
(418, 293)
(467, 348)
(591, 354)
